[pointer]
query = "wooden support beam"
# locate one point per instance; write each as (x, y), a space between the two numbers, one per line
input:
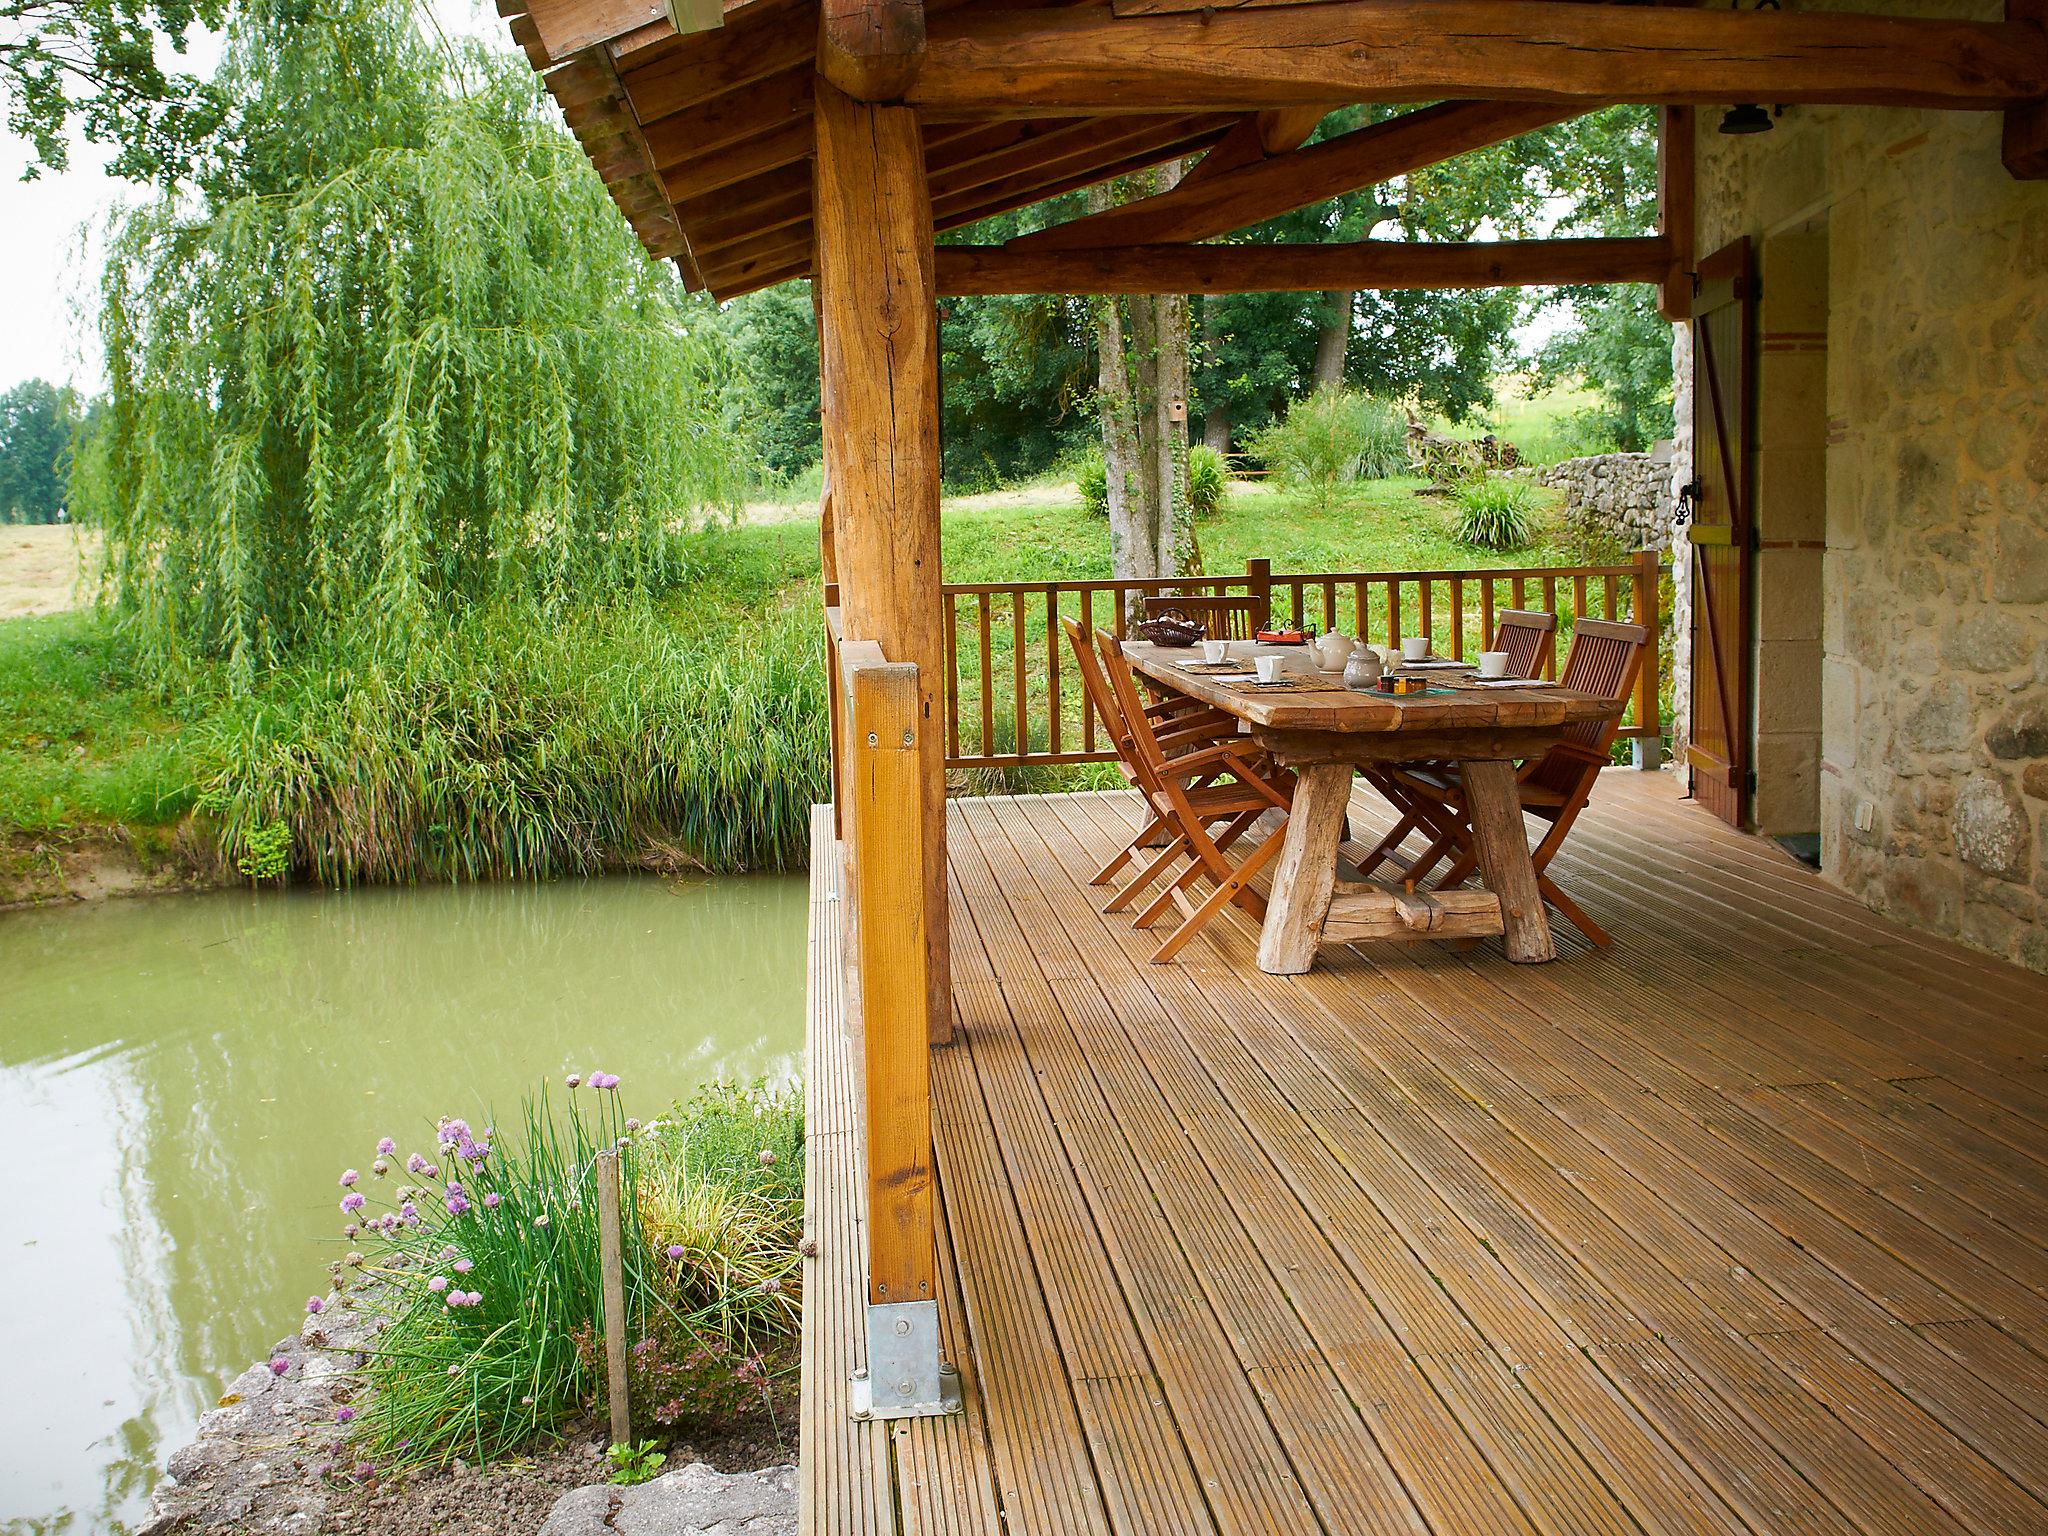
(1376, 264)
(871, 49)
(997, 63)
(751, 48)
(1675, 208)
(879, 366)
(569, 26)
(1268, 187)
(1257, 135)
(2025, 145)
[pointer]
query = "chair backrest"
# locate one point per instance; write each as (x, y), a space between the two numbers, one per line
(1603, 661)
(1529, 636)
(1097, 686)
(1225, 618)
(1147, 758)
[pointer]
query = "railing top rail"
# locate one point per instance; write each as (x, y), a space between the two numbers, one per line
(1094, 584)
(1282, 578)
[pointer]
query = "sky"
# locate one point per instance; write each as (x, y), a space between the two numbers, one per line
(46, 272)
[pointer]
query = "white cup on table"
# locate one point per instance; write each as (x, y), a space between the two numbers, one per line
(1269, 667)
(1493, 663)
(1414, 647)
(1214, 651)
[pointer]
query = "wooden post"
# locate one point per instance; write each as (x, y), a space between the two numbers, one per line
(879, 359)
(1258, 580)
(2025, 141)
(1649, 571)
(884, 787)
(1501, 841)
(611, 1264)
(1675, 206)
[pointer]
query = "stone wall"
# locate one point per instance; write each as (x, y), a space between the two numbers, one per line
(1624, 496)
(1933, 570)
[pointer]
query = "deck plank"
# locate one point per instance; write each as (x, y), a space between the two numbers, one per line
(1738, 1226)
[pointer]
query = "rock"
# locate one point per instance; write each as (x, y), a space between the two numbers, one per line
(1986, 642)
(2035, 780)
(692, 1501)
(2019, 562)
(1992, 829)
(2022, 735)
(1940, 722)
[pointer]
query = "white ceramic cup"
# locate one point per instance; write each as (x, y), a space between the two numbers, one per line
(1493, 663)
(1414, 647)
(1215, 650)
(1269, 667)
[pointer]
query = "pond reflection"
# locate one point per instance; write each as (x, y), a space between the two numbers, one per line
(182, 1079)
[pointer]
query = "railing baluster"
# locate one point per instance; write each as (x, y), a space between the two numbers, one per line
(1394, 612)
(1458, 619)
(1329, 605)
(1613, 586)
(1578, 597)
(952, 675)
(1053, 640)
(1358, 607)
(1550, 606)
(1485, 611)
(1087, 638)
(988, 702)
(1018, 650)
(1425, 625)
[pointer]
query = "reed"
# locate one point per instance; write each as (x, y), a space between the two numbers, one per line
(523, 744)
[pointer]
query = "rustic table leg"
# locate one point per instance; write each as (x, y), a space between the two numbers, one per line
(1503, 848)
(1307, 870)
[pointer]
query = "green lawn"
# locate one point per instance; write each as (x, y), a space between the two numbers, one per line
(85, 739)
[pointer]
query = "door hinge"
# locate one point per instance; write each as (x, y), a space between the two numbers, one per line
(1749, 781)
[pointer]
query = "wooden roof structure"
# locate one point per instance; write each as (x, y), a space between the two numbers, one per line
(700, 116)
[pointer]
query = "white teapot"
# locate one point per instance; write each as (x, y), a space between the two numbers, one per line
(1332, 651)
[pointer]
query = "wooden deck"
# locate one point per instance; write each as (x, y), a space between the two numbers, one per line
(1738, 1227)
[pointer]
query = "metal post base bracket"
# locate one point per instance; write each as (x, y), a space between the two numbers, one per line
(905, 1378)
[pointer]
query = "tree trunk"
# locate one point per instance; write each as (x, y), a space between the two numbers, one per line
(1333, 339)
(1142, 343)
(1216, 428)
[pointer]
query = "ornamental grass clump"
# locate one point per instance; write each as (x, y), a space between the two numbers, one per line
(1496, 514)
(481, 1253)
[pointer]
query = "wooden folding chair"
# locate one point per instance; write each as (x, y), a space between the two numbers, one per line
(1189, 792)
(1555, 787)
(1184, 724)
(1529, 636)
(1224, 618)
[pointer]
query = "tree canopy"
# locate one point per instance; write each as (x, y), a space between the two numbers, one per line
(400, 352)
(36, 422)
(92, 65)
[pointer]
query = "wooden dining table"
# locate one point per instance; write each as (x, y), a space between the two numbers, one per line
(1323, 731)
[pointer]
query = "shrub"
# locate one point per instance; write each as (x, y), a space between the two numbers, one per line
(1208, 481)
(484, 1263)
(1092, 476)
(1331, 440)
(1495, 514)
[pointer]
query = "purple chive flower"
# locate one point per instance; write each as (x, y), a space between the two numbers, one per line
(474, 1298)
(767, 1157)
(491, 1200)
(432, 1170)
(350, 1230)
(541, 1220)
(386, 1146)
(450, 1253)
(771, 1285)
(380, 1167)
(348, 1177)
(458, 1204)
(454, 1370)
(351, 1202)
(676, 1250)
(343, 1414)
(315, 1305)
(632, 1125)
(279, 1365)
(415, 1164)
(365, 1470)
(438, 1283)
(463, 1266)
(574, 1080)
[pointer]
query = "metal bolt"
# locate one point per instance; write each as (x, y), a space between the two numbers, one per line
(874, 740)
(906, 737)
(904, 1389)
(903, 1325)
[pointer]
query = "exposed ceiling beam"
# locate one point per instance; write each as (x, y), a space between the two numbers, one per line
(1370, 264)
(1265, 189)
(871, 49)
(1006, 63)
(756, 44)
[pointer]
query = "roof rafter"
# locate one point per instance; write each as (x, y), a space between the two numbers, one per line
(1267, 188)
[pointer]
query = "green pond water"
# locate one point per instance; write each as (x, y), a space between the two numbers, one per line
(183, 1078)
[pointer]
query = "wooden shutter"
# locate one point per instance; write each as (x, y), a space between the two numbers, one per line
(1723, 395)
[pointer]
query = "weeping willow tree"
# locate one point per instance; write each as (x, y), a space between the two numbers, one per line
(397, 354)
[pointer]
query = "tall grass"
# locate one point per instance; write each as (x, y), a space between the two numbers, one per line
(1496, 514)
(516, 747)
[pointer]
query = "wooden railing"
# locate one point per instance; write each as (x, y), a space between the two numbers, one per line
(1012, 699)
(877, 802)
